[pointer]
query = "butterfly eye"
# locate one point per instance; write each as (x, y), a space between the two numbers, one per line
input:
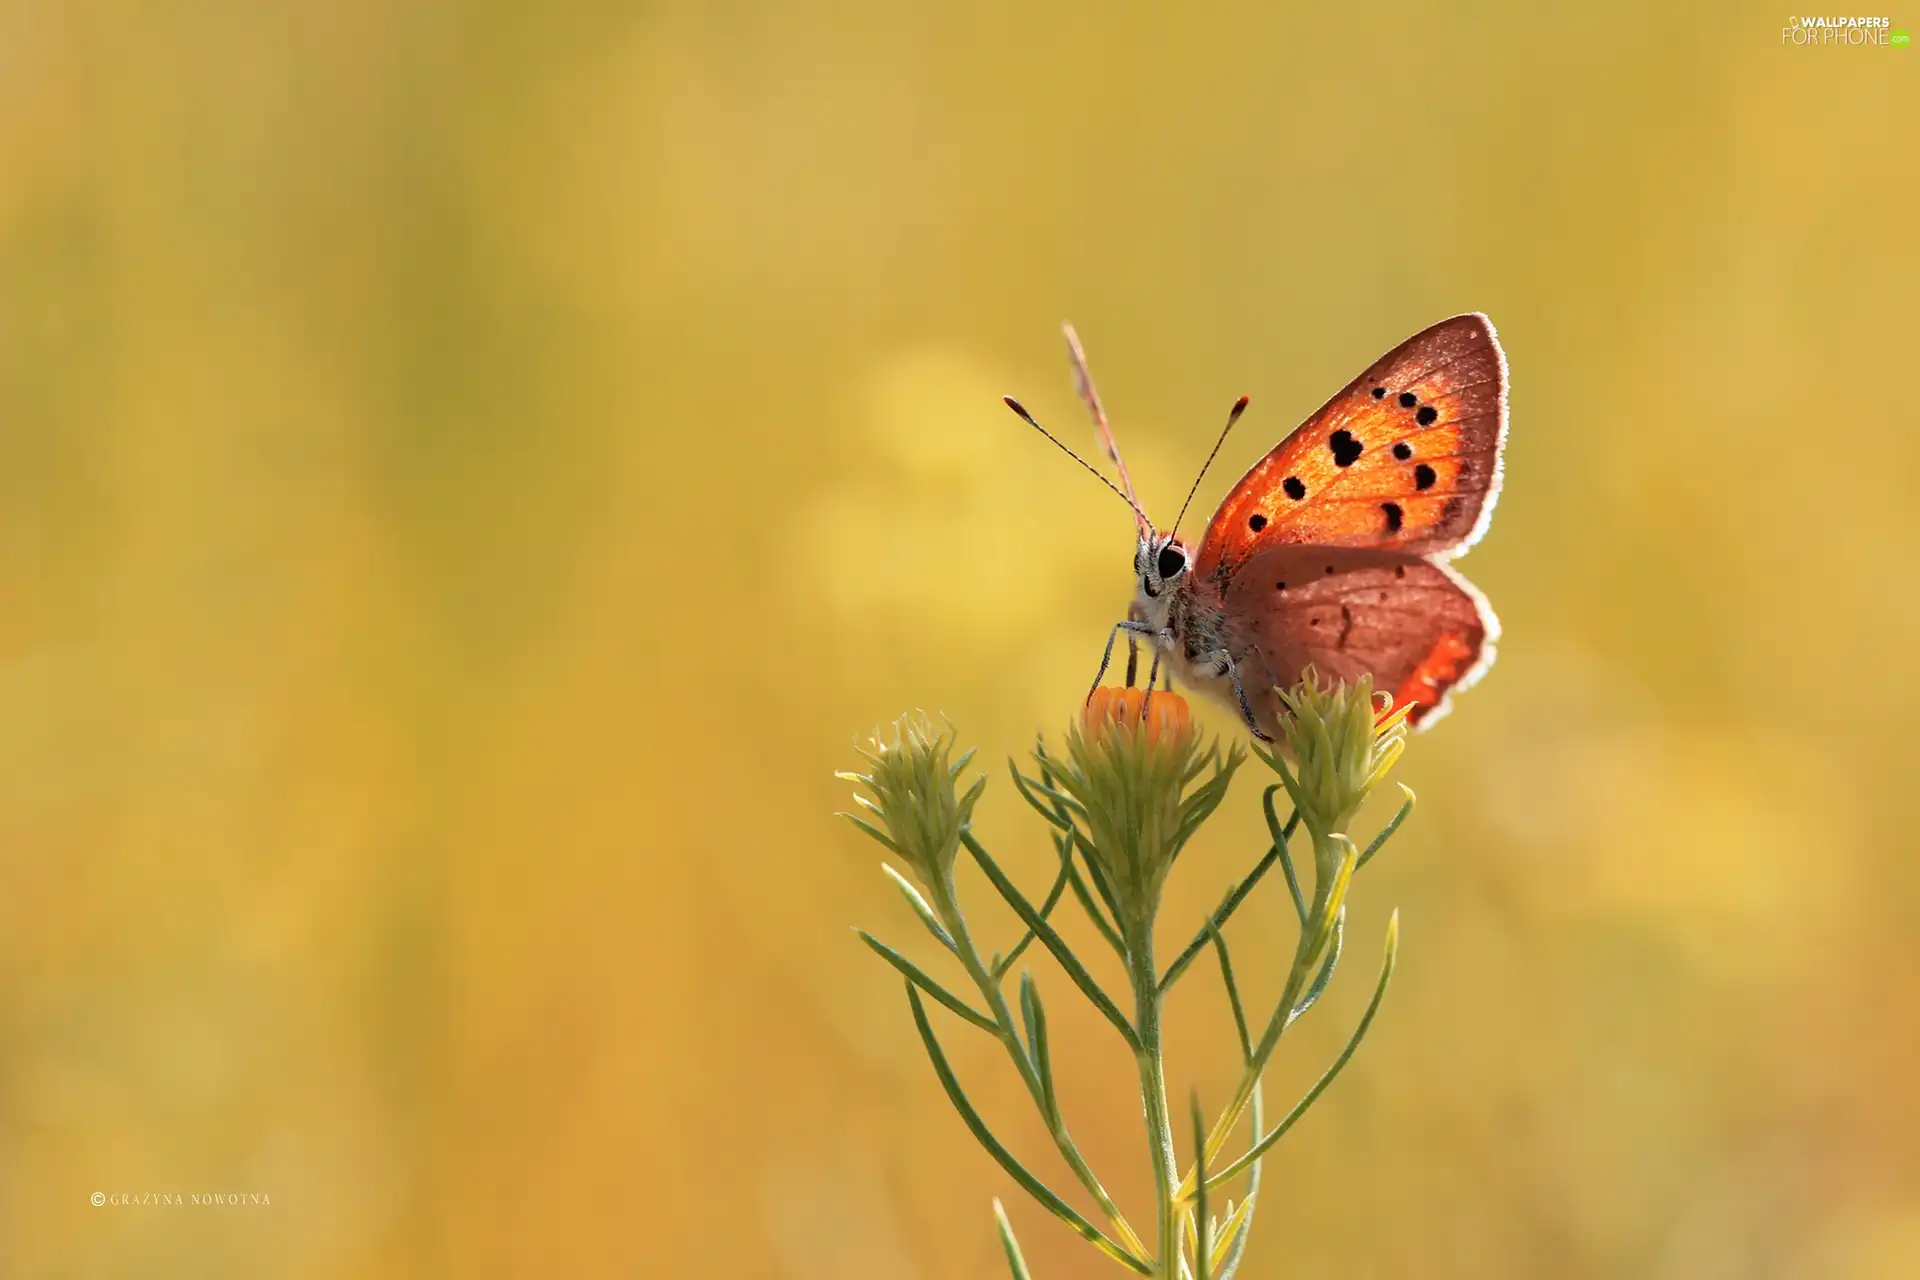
(1172, 562)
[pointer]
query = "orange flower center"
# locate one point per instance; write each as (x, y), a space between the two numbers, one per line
(1164, 713)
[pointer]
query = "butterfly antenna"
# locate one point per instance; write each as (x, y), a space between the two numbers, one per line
(1026, 417)
(1233, 416)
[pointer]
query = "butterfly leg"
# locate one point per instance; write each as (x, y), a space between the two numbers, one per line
(1225, 665)
(1132, 629)
(1133, 644)
(1153, 673)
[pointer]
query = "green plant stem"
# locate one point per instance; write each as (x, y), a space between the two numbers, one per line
(1334, 852)
(1249, 1080)
(1263, 1142)
(1153, 1099)
(946, 903)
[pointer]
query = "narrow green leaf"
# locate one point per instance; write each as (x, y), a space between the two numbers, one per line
(920, 907)
(1048, 770)
(1059, 817)
(1236, 1244)
(1327, 966)
(1281, 835)
(1276, 852)
(974, 792)
(1217, 920)
(1052, 941)
(1305, 955)
(1328, 911)
(1095, 914)
(1224, 1253)
(1209, 794)
(1261, 1147)
(1017, 1171)
(1097, 876)
(1200, 805)
(1291, 783)
(1065, 849)
(885, 839)
(1016, 1263)
(1387, 832)
(1034, 1015)
(1027, 787)
(1063, 801)
(1203, 1225)
(915, 975)
(1233, 992)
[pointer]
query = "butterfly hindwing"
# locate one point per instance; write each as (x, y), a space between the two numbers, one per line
(1406, 458)
(1415, 626)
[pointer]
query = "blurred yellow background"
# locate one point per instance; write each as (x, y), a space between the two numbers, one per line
(471, 470)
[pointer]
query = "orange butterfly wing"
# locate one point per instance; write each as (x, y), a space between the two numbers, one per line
(1413, 624)
(1406, 458)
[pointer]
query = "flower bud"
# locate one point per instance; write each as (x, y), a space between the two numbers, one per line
(914, 794)
(1130, 768)
(1343, 740)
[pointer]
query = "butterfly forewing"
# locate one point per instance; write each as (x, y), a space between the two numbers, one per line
(1406, 458)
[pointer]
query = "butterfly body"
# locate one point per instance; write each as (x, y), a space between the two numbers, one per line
(1332, 551)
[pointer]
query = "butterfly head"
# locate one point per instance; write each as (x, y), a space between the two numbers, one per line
(1160, 565)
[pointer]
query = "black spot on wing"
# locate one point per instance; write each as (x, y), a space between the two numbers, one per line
(1393, 516)
(1294, 488)
(1346, 450)
(1423, 476)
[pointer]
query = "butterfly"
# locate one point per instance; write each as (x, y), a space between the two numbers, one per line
(1333, 551)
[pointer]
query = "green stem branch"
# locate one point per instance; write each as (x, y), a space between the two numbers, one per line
(1153, 1098)
(946, 903)
(1334, 858)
